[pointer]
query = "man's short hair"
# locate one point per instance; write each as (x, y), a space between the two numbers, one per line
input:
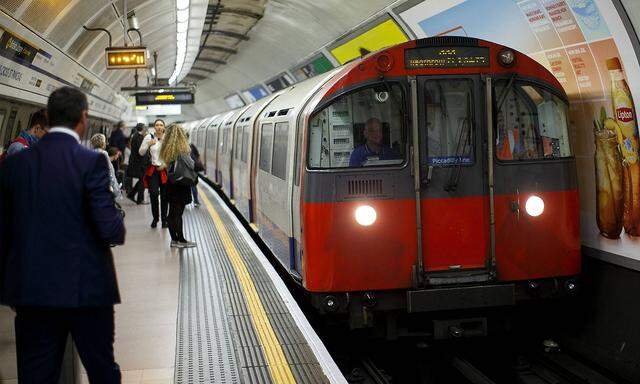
(140, 127)
(65, 107)
(39, 118)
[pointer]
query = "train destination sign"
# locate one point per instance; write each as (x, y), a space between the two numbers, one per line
(446, 57)
(126, 58)
(164, 98)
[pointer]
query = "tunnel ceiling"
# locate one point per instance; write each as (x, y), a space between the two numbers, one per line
(242, 42)
(288, 31)
(227, 24)
(61, 21)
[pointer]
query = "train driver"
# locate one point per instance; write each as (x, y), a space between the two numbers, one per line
(373, 148)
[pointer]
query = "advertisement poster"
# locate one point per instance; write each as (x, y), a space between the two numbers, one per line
(584, 44)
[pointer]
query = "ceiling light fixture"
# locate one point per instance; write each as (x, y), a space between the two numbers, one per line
(182, 26)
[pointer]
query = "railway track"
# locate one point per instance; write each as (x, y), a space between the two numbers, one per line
(441, 367)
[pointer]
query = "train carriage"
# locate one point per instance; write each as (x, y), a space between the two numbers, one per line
(434, 175)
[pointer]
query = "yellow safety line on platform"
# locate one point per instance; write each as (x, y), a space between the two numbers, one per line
(278, 365)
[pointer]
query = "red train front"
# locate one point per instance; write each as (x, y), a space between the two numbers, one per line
(439, 176)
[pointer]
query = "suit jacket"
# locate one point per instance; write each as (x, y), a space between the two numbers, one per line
(57, 221)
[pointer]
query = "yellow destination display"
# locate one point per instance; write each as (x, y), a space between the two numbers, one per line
(381, 36)
(126, 58)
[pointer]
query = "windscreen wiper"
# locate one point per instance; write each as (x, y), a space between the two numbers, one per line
(461, 149)
(503, 97)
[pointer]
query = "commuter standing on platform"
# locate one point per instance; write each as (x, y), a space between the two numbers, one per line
(98, 143)
(199, 167)
(126, 180)
(175, 146)
(57, 223)
(30, 136)
(137, 165)
(155, 176)
(118, 138)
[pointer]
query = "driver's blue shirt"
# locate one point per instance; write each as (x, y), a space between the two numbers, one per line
(362, 153)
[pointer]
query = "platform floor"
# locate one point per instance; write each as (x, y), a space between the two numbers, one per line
(217, 313)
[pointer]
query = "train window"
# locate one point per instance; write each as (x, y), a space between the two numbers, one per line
(531, 122)
(266, 146)
(449, 109)
(296, 169)
(245, 143)
(361, 129)
(225, 137)
(280, 146)
(236, 145)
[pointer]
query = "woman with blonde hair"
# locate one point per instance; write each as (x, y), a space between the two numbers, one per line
(99, 144)
(175, 147)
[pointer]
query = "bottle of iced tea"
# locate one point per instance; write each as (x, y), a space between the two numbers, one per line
(609, 174)
(627, 130)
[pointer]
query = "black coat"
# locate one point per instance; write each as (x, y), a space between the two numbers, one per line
(137, 164)
(57, 220)
(118, 140)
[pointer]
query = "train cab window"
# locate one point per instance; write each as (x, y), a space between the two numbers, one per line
(449, 121)
(280, 146)
(360, 129)
(266, 146)
(531, 122)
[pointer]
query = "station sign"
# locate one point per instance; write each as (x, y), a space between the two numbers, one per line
(446, 57)
(126, 57)
(164, 98)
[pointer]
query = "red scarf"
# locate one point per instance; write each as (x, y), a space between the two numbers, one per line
(150, 171)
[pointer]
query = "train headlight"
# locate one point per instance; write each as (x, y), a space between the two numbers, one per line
(507, 57)
(534, 206)
(366, 215)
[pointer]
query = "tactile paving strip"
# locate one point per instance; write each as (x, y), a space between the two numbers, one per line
(203, 352)
(303, 363)
(204, 349)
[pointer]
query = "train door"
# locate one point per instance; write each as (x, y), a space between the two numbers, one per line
(454, 205)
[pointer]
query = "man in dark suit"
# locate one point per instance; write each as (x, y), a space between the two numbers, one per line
(57, 223)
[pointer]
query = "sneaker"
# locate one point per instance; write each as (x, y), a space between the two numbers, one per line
(154, 223)
(196, 205)
(175, 244)
(187, 244)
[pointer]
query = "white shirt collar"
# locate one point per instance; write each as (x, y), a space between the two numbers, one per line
(67, 131)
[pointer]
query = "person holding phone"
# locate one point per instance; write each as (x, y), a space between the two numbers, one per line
(155, 176)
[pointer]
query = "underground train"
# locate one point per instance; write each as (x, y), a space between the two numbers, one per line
(432, 176)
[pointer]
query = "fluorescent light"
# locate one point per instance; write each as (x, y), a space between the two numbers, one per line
(182, 4)
(182, 27)
(182, 16)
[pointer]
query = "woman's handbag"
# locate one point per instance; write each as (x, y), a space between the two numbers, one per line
(198, 166)
(182, 171)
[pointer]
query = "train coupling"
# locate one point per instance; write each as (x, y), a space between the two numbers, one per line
(459, 328)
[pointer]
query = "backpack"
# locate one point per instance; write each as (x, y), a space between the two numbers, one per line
(182, 172)
(18, 139)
